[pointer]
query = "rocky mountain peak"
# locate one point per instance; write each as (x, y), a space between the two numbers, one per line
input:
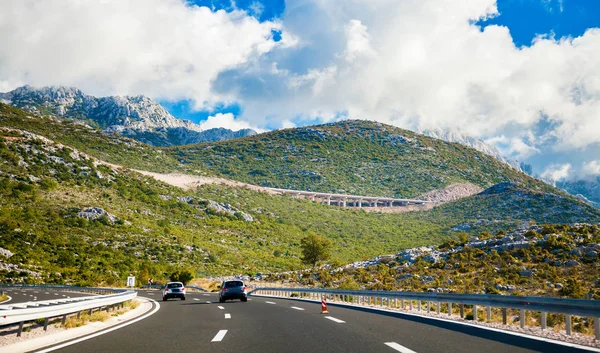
(138, 117)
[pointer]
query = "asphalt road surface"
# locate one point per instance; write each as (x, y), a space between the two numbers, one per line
(201, 324)
(21, 295)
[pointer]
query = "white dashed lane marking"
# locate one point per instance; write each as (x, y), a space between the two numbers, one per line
(196, 299)
(335, 320)
(297, 308)
(208, 302)
(228, 316)
(206, 295)
(399, 348)
(220, 335)
(220, 307)
(270, 303)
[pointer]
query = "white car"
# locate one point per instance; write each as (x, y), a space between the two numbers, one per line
(174, 290)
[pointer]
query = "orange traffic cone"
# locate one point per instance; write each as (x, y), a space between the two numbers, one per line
(324, 306)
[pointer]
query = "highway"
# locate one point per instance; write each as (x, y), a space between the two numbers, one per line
(21, 295)
(201, 324)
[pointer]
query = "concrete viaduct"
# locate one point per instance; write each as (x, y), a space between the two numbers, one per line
(349, 200)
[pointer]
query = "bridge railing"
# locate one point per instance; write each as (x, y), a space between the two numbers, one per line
(434, 301)
(34, 310)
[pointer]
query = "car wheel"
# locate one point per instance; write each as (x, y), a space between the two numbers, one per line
(244, 299)
(182, 298)
(164, 299)
(221, 300)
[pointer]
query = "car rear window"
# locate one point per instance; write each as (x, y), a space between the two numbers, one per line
(234, 284)
(174, 285)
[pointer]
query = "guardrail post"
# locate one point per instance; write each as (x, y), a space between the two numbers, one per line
(504, 319)
(428, 307)
(389, 301)
(410, 307)
(91, 311)
(475, 313)
(419, 304)
(488, 315)
(597, 328)
(64, 319)
(438, 307)
(568, 324)
(462, 310)
(20, 329)
(402, 303)
(45, 324)
(543, 320)
(396, 303)
(449, 309)
(78, 315)
(522, 318)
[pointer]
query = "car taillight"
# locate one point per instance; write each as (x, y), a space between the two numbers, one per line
(244, 288)
(182, 288)
(224, 290)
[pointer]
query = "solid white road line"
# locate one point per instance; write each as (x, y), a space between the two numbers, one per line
(228, 316)
(270, 303)
(206, 295)
(220, 307)
(219, 336)
(297, 308)
(127, 323)
(335, 320)
(9, 298)
(399, 348)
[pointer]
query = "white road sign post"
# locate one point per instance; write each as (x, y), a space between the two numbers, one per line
(131, 281)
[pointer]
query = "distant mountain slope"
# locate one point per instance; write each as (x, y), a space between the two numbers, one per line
(354, 157)
(479, 145)
(137, 117)
(588, 190)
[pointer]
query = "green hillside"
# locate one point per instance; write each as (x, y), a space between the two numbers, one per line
(354, 157)
(66, 218)
(109, 148)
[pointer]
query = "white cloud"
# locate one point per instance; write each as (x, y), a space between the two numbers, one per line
(591, 168)
(514, 147)
(162, 48)
(358, 41)
(557, 172)
(227, 121)
(429, 67)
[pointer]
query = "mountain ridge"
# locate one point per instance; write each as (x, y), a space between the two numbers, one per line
(138, 117)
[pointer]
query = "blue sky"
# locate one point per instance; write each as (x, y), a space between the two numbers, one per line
(528, 18)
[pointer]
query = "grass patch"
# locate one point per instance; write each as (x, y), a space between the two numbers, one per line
(99, 316)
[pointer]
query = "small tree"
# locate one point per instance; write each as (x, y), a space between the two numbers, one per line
(315, 249)
(183, 276)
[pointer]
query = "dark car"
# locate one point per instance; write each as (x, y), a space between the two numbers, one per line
(233, 290)
(174, 290)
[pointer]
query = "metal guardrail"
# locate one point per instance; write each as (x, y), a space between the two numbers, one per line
(23, 312)
(567, 307)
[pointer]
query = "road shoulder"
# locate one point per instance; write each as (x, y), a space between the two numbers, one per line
(57, 337)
